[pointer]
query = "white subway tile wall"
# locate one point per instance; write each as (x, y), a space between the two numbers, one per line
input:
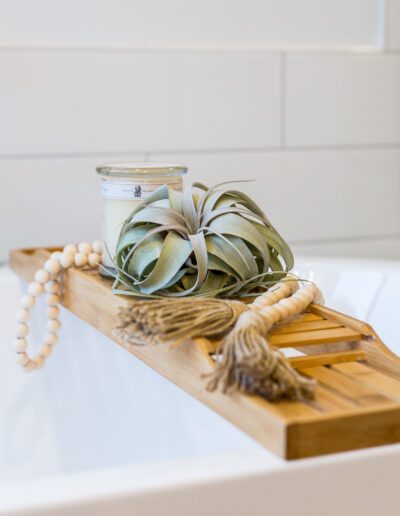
(226, 88)
(387, 248)
(52, 201)
(188, 23)
(393, 20)
(343, 99)
(85, 102)
(312, 195)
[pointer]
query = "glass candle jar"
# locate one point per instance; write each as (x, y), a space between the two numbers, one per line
(123, 187)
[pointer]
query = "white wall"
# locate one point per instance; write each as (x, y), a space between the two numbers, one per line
(303, 96)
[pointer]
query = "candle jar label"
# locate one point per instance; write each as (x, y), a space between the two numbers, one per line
(128, 190)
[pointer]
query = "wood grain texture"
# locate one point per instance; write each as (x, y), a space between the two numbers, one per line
(357, 402)
(296, 327)
(308, 338)
(327, 358)
(327, 401)
(353, 430)
(347, 386)
(371, 378)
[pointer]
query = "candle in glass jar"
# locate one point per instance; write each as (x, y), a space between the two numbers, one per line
(123, 187)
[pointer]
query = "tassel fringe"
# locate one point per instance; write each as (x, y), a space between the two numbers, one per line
(249, 364)
(170, 320)
(244, 361)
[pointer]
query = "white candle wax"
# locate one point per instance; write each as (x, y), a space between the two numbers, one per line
(122, 193)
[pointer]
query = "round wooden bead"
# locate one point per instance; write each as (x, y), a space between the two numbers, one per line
(20, 344)
(305, 299)
(303, 293)
(94, 259)
(290, 283)
(35, 289)
(283, 310)
(288, 302)
(53, 312)
(286, 289)
(268, 317)
(81, 259)
(85, 248)
(22, 330)
(39, 361)
(297, 304)
(42, 276)
(98, 246)
(52, 266)
(27, 301)
(45, 350)
(52, 287)
(301, 303)
(273, 297)
(55, 256)
(70, 248)
(53, 326)
(29, 366)
(22, 358)
(66, 260)
(52, 300)
(50, 339)
(274, 312)
(306, 294)
(22, 315)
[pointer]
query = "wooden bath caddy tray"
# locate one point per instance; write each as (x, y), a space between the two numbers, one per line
(357, 403)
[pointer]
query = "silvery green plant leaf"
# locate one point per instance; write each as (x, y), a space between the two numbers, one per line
(199, 242)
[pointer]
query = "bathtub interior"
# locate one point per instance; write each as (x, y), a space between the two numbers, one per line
(95, 406)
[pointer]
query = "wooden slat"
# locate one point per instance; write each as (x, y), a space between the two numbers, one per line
(362, 395)
(331, 402)
(345, 320)
(297, 327)
(381, 357)
(327, 358)
(304, 317)
(374, 379)
(307, 338)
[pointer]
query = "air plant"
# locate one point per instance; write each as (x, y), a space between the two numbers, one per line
(199, 242)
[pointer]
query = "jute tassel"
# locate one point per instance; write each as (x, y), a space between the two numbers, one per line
(173, 320)
(249, 364)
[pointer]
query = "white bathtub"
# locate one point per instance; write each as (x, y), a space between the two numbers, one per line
(97, 432)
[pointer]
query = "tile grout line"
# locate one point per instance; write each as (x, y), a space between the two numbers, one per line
(381, 24)
(346, 240)
(267, 50)
(283, 100)
(228, 151)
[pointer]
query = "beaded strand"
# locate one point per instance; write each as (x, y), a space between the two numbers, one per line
(280, 303)
(47, 281)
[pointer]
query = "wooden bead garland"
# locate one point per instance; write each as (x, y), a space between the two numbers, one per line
(47, 281)
(284, 300)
